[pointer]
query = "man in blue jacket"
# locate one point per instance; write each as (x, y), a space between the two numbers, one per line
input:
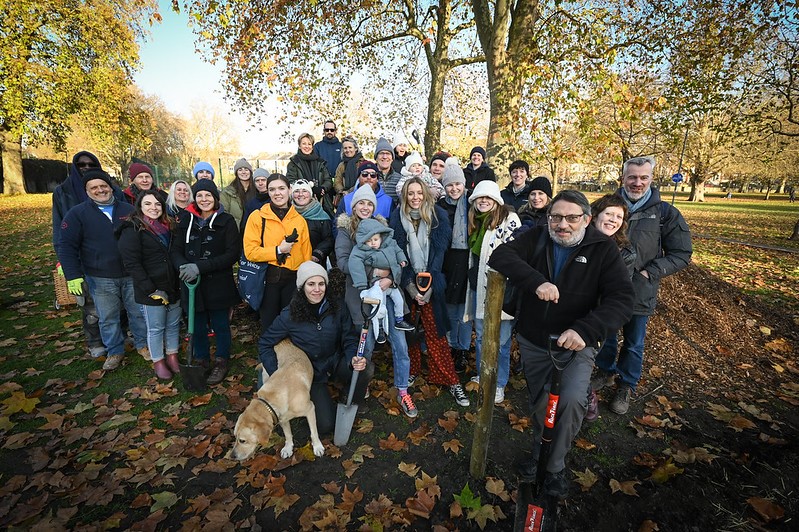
(329, 148)
(88, 251)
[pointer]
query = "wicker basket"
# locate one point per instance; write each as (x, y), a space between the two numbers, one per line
(62, 296)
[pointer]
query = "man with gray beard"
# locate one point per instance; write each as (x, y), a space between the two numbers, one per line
(572, 284)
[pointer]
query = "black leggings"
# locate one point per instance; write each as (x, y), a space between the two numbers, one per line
(323, 402)
(277, 295)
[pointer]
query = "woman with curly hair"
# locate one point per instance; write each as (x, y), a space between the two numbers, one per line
(319, 324)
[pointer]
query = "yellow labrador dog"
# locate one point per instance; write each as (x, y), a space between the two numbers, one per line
(286, 394)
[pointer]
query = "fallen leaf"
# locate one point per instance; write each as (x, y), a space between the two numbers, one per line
(765, 330)
(739, 423)
(420, 505)
(19, 402)
(453, 445)
(448, 424)
(767, 509)
(627, 487)
(665, 472)
(408, 469)
(584, 444)
(200, 399)
(392, 443)
(586, 479)
(496, 487)
(648, 526)
(165, 499)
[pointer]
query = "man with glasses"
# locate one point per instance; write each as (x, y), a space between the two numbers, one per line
(573, 284)
(65, 196)
(329, 148)
(384, 156)
(368, 173)
(662, 241)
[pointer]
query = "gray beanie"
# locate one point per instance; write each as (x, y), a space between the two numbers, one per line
(364, 192)
(453, 173)
(242, 163)
(384, 145)
(309, 269)
(260, 172)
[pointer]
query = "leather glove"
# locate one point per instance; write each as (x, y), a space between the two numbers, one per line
(160, 295)
(75, 286)
(189, 272)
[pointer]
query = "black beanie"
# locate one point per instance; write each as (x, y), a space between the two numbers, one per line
(207, 185)
(440, 156)
(478, 149)
(519, 164)
(542, 183)
(96, 173)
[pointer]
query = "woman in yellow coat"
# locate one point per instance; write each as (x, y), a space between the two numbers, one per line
(277, 235)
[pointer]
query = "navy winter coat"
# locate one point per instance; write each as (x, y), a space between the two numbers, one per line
(87, 244)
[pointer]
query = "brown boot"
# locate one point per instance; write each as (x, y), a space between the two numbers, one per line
(172, 362)
(218, 372)
(161, 370)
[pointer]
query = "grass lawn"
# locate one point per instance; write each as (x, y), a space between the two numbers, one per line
(80, 448)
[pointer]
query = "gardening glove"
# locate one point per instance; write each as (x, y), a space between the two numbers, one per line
(75, 286)
(161, 296)
(59, 268)
(189, 272)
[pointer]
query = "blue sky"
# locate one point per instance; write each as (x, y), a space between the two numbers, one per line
(173, 71)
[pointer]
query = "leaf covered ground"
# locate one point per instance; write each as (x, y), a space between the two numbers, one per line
(710, 442)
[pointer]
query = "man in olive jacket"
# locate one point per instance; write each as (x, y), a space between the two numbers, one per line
(662, 241)
(572, 284)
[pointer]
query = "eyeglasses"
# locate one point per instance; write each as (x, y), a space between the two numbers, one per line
(370, 175)
(570, 218)
(86, 165)
(329, 129)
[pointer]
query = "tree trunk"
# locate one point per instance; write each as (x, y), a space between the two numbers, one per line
(697, 190)
(768, 193)
(795, 234)
(505, 106)
(435, 104)
(11, 157)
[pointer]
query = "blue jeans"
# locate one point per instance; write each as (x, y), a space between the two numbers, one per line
(399, 351)
(220, 322)
(505, 334)
(110, 296)
(163, 329)
(460, 333)
(631, 356)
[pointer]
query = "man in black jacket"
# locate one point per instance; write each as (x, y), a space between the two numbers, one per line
(572, 284)
(662, 242)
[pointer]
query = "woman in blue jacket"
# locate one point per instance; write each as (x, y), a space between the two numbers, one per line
(322, 328)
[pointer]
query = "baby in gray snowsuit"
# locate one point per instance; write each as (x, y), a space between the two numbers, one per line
(375, 248)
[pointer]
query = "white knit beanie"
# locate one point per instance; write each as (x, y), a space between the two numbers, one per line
(302, 184)
(453, 173)
(488, 189)
(413, 158)
(309, 269)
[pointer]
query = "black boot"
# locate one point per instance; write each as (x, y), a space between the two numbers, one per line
(218, 373)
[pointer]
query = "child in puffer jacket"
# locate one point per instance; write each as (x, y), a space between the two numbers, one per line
(414, 167)
(376, 249)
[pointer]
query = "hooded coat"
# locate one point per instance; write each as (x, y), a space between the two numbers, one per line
(388, 256)
(475, 175)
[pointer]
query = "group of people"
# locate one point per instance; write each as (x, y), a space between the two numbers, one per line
(338, 229)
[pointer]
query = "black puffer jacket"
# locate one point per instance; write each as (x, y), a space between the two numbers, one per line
(148, 263)
(214, 247)
(456, 264)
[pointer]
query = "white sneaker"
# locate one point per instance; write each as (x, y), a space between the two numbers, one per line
(499, 396)
(113, 362)
(476, 379)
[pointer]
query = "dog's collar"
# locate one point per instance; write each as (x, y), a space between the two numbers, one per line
(277, 419)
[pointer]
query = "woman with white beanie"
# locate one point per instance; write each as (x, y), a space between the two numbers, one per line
(491, 223)
(317, 322)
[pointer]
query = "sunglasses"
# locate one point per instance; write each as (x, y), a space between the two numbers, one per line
(371, 175)
(329, 129)
(86, 165)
